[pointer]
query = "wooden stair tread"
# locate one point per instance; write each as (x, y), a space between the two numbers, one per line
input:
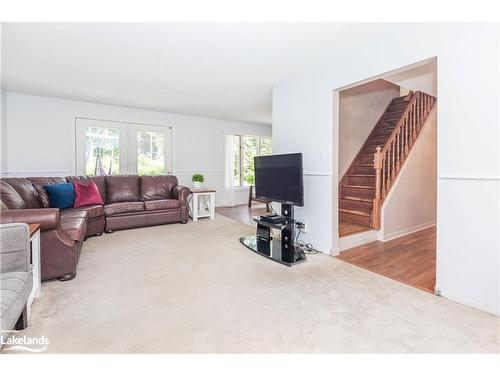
(358, 186)
(364, 165)
(349, 198)
(354, 212)
(360, 175)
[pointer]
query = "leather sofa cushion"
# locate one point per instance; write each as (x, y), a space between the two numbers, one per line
(42, 194)
(47, 180)
(157, 187)
(122, 189)
(74, 227)
(38, 183)
(162, 204)
(70, 213)
(25, 189)
(89, 212)
(10, 197)
(123, 207)
(100, 181)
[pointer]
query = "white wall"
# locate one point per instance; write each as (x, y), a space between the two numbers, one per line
(41, 138)
(3, 114)
(3, 131)
(305, 119)
(412, 202)
(359, 110)
(422, 78)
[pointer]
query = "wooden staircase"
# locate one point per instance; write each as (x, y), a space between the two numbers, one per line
(369, 179)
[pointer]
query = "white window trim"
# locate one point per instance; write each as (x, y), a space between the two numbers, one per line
(128, 143)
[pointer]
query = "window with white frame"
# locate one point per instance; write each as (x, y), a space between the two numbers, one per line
(245, 148)
(111, 148)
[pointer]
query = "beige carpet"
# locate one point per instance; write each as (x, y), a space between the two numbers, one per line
(194, 289)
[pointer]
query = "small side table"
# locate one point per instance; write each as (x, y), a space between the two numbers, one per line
(35, 265)
(202, 204)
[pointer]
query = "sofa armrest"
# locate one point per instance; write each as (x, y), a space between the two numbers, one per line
(47, 217)
(181, 193)
(14, 248)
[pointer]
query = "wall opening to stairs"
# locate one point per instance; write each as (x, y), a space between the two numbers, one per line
(387, 159)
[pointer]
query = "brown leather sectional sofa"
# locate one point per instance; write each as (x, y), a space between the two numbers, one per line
(130, 202)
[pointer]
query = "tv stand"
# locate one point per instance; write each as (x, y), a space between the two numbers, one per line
(281, 250)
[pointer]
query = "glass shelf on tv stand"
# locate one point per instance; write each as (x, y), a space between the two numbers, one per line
(281, 250)
(273, 250)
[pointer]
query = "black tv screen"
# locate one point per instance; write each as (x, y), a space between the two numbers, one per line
(280, 178)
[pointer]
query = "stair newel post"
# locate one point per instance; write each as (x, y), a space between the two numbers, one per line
(377, 163)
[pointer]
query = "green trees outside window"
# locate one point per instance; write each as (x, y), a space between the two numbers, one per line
(245, 149)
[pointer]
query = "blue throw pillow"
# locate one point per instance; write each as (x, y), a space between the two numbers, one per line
(61, 195)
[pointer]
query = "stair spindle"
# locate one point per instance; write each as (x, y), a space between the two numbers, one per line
(406, 135)
(398, 150)
(383, 176)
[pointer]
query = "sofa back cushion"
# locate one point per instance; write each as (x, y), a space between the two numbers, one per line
(100, 182)
(122, 189)
(47, 180)
(3, 206)
(25, 189)
(157, 187)
(39, 182)
(10, 197)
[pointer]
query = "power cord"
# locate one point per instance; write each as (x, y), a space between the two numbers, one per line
(307, 248)
(272, 209)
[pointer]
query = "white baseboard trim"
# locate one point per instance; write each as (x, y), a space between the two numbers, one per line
(403, 232)
(357, 240)
(326, 252)
(335, 252)
(469, 176)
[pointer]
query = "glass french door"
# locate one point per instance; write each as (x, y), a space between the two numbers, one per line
(111, 148)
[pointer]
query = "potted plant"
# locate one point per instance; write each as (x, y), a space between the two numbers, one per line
(198, 180)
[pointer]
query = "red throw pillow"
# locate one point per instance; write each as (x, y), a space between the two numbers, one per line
(87, 194)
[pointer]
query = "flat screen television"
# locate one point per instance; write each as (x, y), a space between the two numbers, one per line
(279, 178)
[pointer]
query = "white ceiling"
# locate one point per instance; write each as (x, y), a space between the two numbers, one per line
(222, 70)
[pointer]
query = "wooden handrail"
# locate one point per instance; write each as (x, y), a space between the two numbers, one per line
(389, 159)
(398, 125)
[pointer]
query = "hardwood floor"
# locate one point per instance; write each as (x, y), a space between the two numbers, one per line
(410, 259)
(346, 228)
(242, 212)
